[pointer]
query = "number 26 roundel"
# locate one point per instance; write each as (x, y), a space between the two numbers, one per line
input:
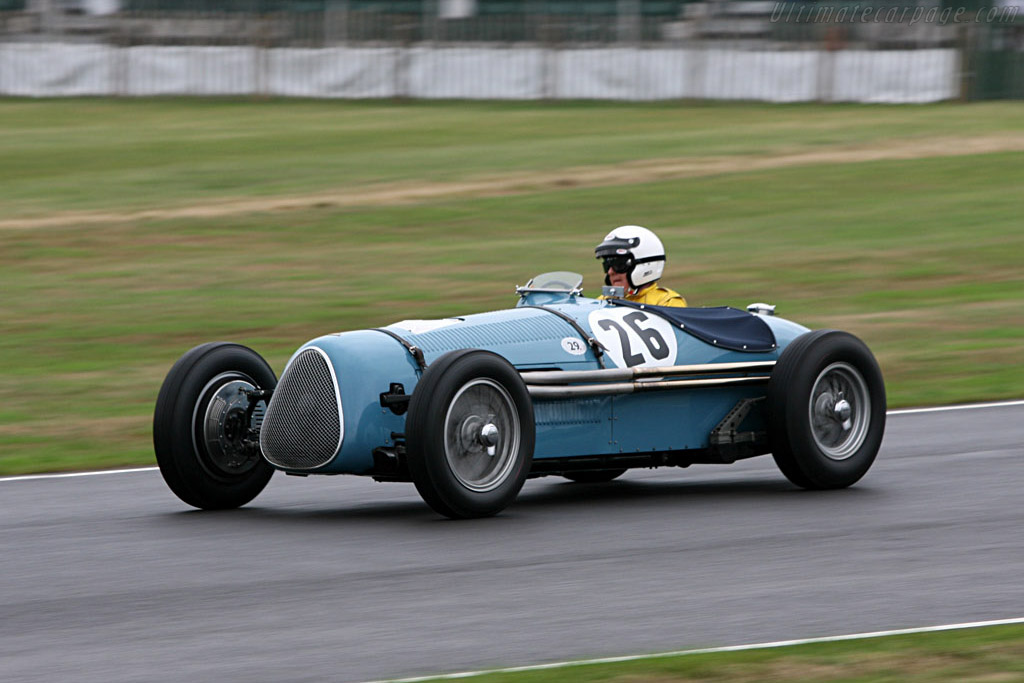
(634, 338)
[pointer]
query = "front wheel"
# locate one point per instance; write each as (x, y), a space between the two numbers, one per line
(826, 410)
(470, 434)
(202, 426)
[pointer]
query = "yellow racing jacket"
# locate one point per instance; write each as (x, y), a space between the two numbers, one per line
(655, 296)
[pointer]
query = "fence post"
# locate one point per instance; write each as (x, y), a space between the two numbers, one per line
(832, 44)
(967, 48)
(546, 39)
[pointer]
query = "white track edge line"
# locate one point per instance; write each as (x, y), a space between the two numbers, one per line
(71, 475)
(708, 650)
(901, 411)
(965, 406)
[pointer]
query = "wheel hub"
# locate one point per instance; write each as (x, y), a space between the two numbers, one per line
(489, 437)
(481, 435)
(840, 409)
(223, 428)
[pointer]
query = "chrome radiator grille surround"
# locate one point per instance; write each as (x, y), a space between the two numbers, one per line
(304, 425)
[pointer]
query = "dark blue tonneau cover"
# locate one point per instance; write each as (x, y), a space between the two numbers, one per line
(722, 326)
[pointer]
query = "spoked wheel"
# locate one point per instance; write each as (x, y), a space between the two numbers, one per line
(470, 434)
(202, 426)
(826, 408)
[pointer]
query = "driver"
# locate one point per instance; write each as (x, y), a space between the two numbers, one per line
(634, 258)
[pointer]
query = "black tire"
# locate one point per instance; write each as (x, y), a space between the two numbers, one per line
(826, 410)
(460, 396)
(207, 475)
(593, 476)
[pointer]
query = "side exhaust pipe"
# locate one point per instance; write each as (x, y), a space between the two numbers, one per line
(556, 384)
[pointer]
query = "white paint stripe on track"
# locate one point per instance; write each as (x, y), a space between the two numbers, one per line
(967, 406)
(902, 411)
(71, 475)
(709, 650)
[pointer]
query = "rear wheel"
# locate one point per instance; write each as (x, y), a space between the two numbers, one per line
(470, 434)
(826, 410)
(201, 426)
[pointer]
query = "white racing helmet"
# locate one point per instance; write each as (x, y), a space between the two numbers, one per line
(635, 251)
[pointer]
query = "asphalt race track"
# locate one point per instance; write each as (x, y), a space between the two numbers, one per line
(110, 578)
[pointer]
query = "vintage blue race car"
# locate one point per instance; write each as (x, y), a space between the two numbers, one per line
(468, 408)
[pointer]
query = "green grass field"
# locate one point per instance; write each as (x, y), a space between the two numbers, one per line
(132, 230)
(990, 654)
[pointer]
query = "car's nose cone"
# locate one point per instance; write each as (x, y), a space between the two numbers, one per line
(304, 427)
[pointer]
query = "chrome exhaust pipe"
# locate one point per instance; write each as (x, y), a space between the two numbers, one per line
(555, 384)
(628, 374)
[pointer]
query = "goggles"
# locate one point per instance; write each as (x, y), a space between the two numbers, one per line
(620, 264)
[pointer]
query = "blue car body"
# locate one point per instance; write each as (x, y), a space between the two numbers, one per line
(545, 332)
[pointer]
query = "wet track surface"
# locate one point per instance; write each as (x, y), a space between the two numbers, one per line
(111, 578)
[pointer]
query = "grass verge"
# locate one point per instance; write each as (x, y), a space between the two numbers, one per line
(992, 654)
(919, 256)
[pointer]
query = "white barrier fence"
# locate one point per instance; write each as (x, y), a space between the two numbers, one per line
(515, 73)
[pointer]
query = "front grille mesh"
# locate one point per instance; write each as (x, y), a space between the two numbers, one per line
(302, 427)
